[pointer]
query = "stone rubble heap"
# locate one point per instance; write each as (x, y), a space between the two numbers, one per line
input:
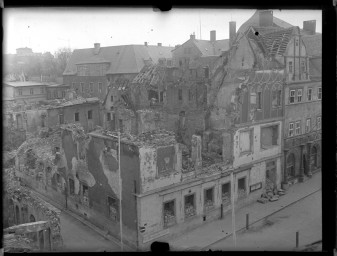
(271, 193)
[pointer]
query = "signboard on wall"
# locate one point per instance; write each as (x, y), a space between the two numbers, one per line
(256, 186)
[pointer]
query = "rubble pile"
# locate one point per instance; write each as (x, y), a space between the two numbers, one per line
(17, 244)
(271, 193)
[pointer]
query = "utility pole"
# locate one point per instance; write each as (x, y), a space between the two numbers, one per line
(233, 210)
(120, 190)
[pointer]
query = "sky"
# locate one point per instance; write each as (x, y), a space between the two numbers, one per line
(48, 29)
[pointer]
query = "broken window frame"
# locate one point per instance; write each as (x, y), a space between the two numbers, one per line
(209, 198)
(309, 94)
(77, 114)
(291, 130)
(292, 96)
(297, 128)
(169, 216)
(113, 208)
(308, 125)
(191, 210)
(242, 192)
(299, 95)
(226, 196)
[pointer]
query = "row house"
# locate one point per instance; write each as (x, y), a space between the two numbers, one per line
(24, 91)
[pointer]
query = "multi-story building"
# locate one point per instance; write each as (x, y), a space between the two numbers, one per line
(56, 91)
(24, 91)
(303, 95)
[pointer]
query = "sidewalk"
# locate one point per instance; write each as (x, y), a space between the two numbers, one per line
(83, 220)
(209, 233)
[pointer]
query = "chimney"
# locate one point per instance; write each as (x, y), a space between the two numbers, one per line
(266, 18)
(192, 36)
(159, 44)
(145, 43)
(232, 32)
(309, 26)
(213, 36)
(96, 48)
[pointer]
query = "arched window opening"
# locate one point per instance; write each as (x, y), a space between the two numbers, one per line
(31, 218)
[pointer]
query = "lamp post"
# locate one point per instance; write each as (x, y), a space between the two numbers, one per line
(120, 190)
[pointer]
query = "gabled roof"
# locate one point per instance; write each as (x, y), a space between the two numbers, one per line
(123, 59)
(313, 44)
(254, 21)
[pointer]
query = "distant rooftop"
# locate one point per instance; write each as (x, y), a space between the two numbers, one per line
(156, 138)
(26, 83)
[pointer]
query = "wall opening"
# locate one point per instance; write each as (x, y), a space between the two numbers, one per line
(241, 187)
(169, 213)
(269, 136)
(190, 209)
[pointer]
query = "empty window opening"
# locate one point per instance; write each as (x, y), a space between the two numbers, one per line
(71, 187)
(169, 213)
(180, 94)
(209, 198)
(108, 116)
(77, 117)
(241, 187)
(259, 100)
(269, 136)
(90, 114)
(190, 205)
(113, 208)
(226, 193)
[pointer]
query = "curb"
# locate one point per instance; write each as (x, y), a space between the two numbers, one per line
(83, 221)
(244, 228)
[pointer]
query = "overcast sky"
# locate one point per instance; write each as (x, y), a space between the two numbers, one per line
(47, 29)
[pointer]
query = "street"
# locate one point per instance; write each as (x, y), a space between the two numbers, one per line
(77, 237)
(278, 232)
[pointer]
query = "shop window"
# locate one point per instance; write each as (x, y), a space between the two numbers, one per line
(169, 214)
(85, 194)
(292, 96)
(180, 94)
(308, 125)
(190, 205)
(269, 136)
(299, 95)
(319, 93)
(209, 198)
(318, 122)
(291, 130)
(246, 141)
(309, 94)
(241, 187)
(298, 128)
(90, 114)
(113, 208)
(77, 117)
(71, 187)
(226, 193)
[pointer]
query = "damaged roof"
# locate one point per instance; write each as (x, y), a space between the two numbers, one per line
(265, 77)
(255, 21)
(123, 59)
(207, 48)
(155, 138)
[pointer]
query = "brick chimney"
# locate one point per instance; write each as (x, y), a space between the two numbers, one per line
(232, 32)
(213, 36)
(97, 46)
(192, 36)
(159, 44)
(266, 18)
(309, 26)
(145, 43)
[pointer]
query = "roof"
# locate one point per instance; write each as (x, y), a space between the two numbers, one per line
(265, 76)
(57, 85)
(123, 59)
(254, 21)
(273, 41)
(155, 138)
(65, 103)
(26, 83)
(313, 44)
(207, 48)
(315, 67)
